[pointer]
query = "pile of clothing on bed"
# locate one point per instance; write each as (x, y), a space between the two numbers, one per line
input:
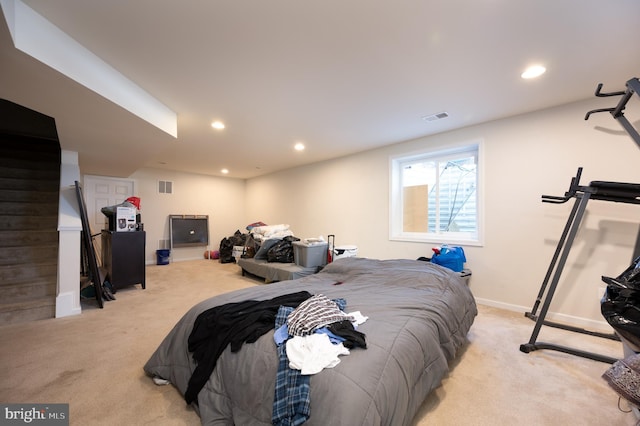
(311, 332)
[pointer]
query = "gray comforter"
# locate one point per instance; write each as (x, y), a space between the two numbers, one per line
(419, 315)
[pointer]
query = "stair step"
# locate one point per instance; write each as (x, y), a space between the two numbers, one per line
(27, 310)
(20, 292)
(28, 209)
(11, 195)
(30, 150)
(28, 238)
(28, 223)
(10, 169)
(17, 274)
(50, 184)
(33, 255)
(28, 168)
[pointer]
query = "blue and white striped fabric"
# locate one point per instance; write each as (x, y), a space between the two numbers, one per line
(315, 312)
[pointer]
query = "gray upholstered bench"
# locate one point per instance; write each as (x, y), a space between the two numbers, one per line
(274, 271)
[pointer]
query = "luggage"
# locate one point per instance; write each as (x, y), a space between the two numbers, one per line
(331, 239)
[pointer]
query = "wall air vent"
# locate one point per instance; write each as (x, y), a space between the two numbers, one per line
(434, 117)
(165, 187)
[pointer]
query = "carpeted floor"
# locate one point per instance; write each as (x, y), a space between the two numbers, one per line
(94, 362)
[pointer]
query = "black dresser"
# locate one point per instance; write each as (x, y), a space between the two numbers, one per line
(123, 256)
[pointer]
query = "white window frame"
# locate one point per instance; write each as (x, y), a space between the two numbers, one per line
(396, 232)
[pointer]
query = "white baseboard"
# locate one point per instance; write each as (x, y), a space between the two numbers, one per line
(65, 305)
(586, 323)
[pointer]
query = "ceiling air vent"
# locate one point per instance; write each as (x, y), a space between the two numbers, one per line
(434, 117)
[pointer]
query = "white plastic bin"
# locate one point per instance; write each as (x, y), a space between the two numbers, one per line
(345, 251)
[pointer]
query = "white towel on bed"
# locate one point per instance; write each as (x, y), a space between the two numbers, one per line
(311, 354)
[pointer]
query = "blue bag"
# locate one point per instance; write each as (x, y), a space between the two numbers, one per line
(450, 257)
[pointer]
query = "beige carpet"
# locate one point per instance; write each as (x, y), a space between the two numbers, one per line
(94, 362)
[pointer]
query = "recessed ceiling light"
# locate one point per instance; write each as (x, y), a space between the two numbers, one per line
(224, 171)
(217, 125)
(533, 71)
(299, 146)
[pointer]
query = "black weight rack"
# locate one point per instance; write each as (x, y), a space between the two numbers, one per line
(632, 86)
(617, 192)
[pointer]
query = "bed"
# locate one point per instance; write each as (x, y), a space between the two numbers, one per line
(418, 313)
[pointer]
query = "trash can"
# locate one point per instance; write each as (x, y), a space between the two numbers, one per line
(163, 256)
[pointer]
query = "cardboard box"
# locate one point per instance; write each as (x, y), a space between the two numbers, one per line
(310, 255)
(125, 219)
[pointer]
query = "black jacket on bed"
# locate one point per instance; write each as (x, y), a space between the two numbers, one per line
(234, 324)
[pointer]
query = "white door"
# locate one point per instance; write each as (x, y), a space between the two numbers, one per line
(99, 192)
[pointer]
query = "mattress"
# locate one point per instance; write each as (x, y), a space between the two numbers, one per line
(418, 313)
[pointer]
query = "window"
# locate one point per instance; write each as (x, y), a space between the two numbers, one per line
(435, 196)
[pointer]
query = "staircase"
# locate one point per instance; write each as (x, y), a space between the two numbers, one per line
(29, 192)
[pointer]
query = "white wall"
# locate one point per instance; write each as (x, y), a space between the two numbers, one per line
(524, 157)
(220, 198)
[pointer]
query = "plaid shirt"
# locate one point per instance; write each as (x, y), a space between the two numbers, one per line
(291, 403)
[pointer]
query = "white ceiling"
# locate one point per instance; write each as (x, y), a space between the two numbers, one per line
(340, 76)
